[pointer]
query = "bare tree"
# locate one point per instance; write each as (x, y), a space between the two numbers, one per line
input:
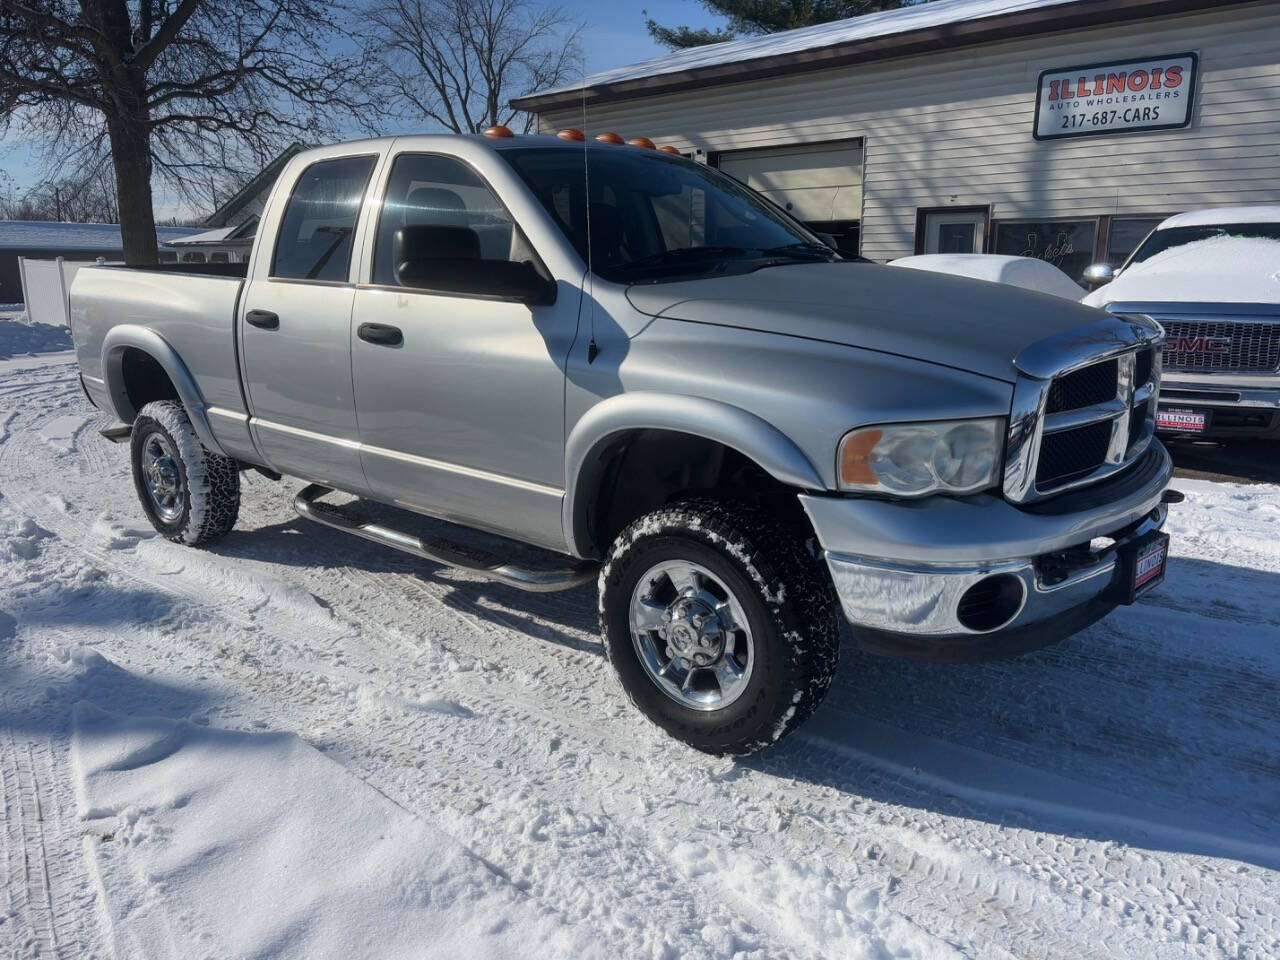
(174, 89)
(90, 198)
(458, 63)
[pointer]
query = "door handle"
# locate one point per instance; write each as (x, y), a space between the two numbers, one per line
(264, 319)
(382, 333)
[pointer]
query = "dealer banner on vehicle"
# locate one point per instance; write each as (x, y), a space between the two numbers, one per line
(1122, 97)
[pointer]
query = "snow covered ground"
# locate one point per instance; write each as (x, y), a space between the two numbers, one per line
(297, 744)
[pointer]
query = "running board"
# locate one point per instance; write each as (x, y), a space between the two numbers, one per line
(120, 433)
(308, 505)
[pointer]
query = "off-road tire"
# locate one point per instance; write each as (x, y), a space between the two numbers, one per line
(211, 481)
(777, 575)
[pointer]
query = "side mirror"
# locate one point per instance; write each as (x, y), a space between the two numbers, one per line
(447, 260)
(1097, 274)
(828, 239)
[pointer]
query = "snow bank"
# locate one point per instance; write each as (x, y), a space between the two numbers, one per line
(1216, 270)
(17, 336)
(255, 844)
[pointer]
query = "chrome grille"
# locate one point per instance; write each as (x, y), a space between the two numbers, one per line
(1083, 388)
(1072, 454)
(1083, 407)
(1210, 346)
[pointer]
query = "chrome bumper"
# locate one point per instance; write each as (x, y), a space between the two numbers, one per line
(901, 568)
(1222, 392)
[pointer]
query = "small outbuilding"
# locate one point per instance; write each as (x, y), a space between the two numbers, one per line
(1058, 129)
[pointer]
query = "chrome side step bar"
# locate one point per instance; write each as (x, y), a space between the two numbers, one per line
(120, 433)
(308, 505)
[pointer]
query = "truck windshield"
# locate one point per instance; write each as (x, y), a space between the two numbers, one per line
(658, 217)
(1161, 240)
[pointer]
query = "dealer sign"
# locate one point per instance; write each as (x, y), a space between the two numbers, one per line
(1123, 97)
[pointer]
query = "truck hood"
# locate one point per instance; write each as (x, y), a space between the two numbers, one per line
(957, 322)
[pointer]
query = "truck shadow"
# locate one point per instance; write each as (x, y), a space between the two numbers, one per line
(1239, 460)
(1156, 728)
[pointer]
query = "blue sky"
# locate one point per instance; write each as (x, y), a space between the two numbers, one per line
(615, 36)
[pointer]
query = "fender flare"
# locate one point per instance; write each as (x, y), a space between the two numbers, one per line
(126, 335)
(738, 429)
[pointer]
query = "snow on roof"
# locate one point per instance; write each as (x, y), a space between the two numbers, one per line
(1217, 216)
(886, 23)
(1216, 270)
(28, 234)
(208, 236)
(1025, 272)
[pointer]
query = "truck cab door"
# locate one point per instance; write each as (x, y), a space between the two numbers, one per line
(460, 398)
(295, 326)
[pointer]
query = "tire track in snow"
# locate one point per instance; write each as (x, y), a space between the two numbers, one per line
(1012, 918)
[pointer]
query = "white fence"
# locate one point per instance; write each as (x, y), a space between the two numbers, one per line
(44, 288)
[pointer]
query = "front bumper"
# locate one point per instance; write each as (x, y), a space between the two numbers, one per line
(901, 568)
(1235, 407)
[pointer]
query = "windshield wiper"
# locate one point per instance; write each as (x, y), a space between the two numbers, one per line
(804, 250)
(681, 254)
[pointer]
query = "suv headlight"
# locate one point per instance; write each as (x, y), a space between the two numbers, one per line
(916, 459)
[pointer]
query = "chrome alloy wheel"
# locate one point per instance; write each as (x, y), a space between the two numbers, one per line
(162, 478)
(691, 635)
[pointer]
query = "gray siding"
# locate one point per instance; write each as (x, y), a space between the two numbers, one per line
(954, 128)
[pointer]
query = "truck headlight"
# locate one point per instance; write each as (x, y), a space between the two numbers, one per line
(916, 459)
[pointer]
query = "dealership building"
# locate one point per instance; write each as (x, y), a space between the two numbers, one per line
(1060, 129)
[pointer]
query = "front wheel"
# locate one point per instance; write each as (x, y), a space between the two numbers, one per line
(721, 624)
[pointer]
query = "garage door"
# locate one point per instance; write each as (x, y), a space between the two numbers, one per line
(821, 181)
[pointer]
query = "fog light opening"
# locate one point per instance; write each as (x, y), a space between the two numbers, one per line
(991, 603)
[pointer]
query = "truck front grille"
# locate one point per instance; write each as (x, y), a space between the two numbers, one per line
(1211, 346)
(1084, 388)
(1072, 454)
(1089, 418)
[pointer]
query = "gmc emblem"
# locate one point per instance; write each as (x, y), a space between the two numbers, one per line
(1199, 345)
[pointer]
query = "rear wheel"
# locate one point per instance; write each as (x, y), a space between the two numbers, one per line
(720, 623)
(190, 494)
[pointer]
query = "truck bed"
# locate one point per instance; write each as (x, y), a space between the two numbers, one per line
(191, 307)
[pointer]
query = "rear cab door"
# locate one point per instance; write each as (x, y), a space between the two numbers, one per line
(294, 319)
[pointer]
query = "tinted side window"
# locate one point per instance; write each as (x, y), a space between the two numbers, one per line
(320, 220)
(440, 191)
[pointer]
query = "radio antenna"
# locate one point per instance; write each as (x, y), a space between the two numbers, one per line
(593, 350)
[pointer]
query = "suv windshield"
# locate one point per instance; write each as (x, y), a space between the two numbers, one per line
(1161, 240)
(657, 217)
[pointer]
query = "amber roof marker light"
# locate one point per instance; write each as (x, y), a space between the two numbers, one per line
(572, 133)
(642, 142)
(610, 137)
(669, 149)
(498, 132)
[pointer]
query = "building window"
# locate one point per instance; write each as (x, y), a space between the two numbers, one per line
(1125, 235)
(1068, 244)
(193, 256)
(951, 229)
(217, 258)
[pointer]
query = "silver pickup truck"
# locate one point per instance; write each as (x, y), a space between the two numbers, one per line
(657, 376)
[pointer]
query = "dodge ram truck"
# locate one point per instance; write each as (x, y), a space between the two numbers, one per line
(666, 385)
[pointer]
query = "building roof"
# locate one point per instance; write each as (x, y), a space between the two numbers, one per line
(919, 28)
(240, 235)
(261, 181)
(1219, 216)
(40, 235)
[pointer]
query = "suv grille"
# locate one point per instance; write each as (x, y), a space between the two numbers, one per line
(1085, 387)
(1206, 346)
